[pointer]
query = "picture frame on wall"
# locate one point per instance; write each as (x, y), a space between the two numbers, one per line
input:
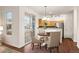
(9, 29)
(9, 32)
(9, 26)
(9, 16)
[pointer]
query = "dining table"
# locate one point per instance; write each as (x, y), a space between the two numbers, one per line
(47, 32)
(44, 36)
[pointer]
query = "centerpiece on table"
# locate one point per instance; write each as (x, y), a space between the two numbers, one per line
(45, 25)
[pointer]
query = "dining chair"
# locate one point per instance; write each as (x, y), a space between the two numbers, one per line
(36, 41)
(53, 41)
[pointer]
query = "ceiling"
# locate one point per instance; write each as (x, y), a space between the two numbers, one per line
(51, 10)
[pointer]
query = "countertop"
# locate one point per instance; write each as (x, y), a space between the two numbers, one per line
(53, 30)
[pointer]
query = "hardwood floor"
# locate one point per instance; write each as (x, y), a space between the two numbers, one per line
(67, 46)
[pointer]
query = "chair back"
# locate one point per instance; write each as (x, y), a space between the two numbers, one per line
(41, 30)
(54, 39)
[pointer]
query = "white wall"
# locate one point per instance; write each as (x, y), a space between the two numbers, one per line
(77, 29)
(17, 37)
(13, 39)
(76, 25)
(68, 25)
(1, 20)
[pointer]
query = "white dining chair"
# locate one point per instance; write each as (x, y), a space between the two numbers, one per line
(35, 40)
(53, 40)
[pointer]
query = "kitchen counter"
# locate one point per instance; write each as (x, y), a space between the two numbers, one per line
(53, 29)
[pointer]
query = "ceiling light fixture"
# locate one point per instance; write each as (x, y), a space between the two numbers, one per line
(45, 18)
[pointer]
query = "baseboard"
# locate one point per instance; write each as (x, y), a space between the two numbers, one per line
(69, 39)
(15, 48)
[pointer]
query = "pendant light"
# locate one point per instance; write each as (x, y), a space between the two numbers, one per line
(45, 18)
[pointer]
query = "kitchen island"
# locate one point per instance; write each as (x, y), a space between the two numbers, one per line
(48, 30)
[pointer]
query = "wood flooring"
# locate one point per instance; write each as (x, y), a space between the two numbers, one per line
(67, 46)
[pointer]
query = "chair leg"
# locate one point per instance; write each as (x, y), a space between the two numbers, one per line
(50, 50)
(58, 49)
(32, 46)
(40, 45)
(46, 46)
